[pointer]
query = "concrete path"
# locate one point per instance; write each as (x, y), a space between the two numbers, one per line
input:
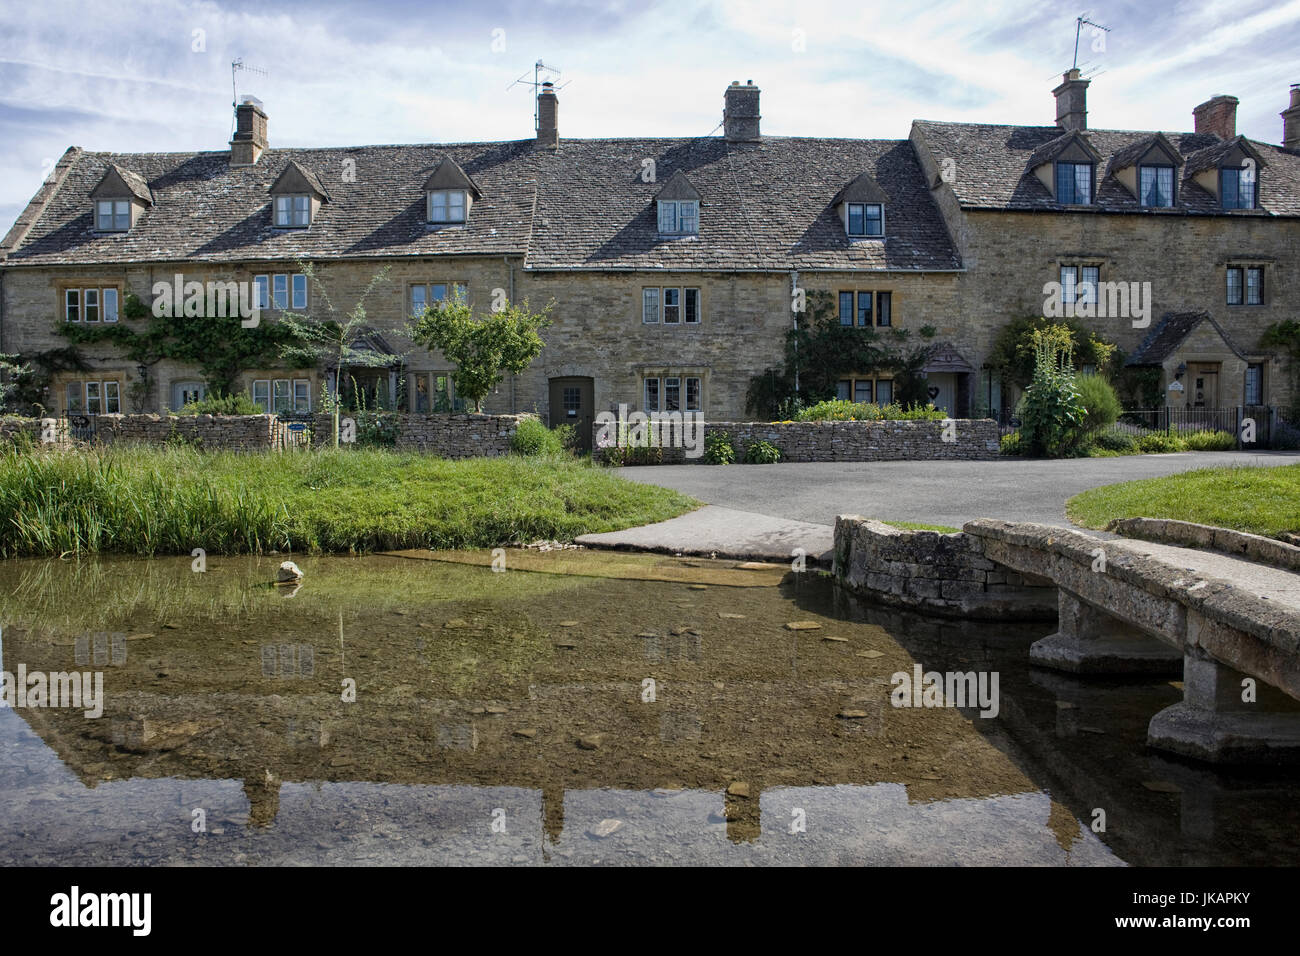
(1272, 584)
(726, 532)
(930, 492)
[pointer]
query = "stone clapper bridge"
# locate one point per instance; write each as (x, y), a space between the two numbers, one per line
(1123, 607)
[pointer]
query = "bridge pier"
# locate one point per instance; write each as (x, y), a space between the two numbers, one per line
(1088, 640)
(1214, 724)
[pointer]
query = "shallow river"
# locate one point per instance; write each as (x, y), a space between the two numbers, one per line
(576, 708)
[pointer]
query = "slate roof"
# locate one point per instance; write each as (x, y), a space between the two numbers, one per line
(1168, 334)
(992, 170)
(764, 205)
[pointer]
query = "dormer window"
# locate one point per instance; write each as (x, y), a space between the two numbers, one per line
(679, 217)
(1156, 186)
(293, 212)
(1074, 184)
(447, 205)
(112, 215)
(865, 219)
(1237, 187)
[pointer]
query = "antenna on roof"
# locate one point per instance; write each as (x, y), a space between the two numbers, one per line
(1078, 28)
(537, 82)
(236, 65)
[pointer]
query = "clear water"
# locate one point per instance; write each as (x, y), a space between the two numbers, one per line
(508, 718)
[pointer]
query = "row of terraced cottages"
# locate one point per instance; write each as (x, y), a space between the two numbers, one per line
(671, 262)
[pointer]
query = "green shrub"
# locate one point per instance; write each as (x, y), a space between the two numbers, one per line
(532, 437)
(1116, 441)
(840, 410)
(217, 404)
(762, 453)
(1051, 410)
(1011, 445)
(719, 449)
(1210, 441)
(1101, 404)
(1160, 443)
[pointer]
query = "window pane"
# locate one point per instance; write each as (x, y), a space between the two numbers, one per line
(672, 306)
(281, 395)
(262, 394)
(864, 308)
(1254, 286)
(92, 305)
(846, 308)
(282, 292)
(73, 398)
(1228, 183)
(672, 394)
(1234, 286)
(419, 296)
(1254, 384)
(438, 292)
(301, 210)
(1082, 183)
(438, 206)
(121, 215)
(884, 392)
(1065, 182)
(692, 394)
(300, 291)
(104, 214)
(1088, 284)
(282, 210)
(92, 398)
(857, 219)
(875, 220)
(301, 395)
(884, 308)
(72, 305)
(112, 404)
(110, 305)
(456, 206)
(690, 217)
(1156, 185)
(649, 305)
(862, 390)
(692, 305)
(844, 389)
(667, 216)
(652, 395)
(1069, 276)
(262, 284)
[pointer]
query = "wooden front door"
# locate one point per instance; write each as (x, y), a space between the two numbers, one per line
(573, 403)
(1204, 378)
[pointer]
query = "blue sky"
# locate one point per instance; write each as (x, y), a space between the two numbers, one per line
(155, 76)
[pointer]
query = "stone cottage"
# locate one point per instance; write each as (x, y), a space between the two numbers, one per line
(671, 265)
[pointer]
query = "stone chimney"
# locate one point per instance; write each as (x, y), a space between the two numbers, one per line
(1291, 120)
(1217, 115)
(548, 117)
(250, 133)
(740, 113)
(1072, 101)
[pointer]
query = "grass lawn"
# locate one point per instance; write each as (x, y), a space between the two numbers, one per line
(915, 526)
(1260, 500)
(143, 500)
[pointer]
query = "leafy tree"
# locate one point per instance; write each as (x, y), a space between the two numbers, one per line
(1051, 410)
(12, 374)
(1013, 352)
(483, 348)
(332, 340)
(821, 352)
(1285, 336)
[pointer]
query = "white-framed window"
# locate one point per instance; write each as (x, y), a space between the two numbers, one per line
(94, 398)
(425, 294)
(280, 291)
(1069, 284)
(112, 215)
(274, 290)
(300, 291)
(649, 306)
(293, 212)
(277, 395)
(301, 395)
(262, 286)
(679, 217)
(262, 394)
(666, 394)
(447, 205)
(90, 305)
(865, 219)
(672, 306)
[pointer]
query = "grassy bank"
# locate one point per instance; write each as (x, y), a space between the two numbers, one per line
(1259, 500)
(169, 501)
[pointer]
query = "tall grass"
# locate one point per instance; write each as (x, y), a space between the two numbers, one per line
(146, 500)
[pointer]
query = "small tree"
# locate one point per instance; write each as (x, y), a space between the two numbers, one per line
(12, 375)
(504, 340)
(332, 340)
(1051, 409)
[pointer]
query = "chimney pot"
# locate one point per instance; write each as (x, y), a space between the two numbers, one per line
(1072, 101)
(1217, 115)
(740, 116)
(250, 140)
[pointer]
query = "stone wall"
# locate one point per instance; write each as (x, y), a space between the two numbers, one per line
(460, 435)
(210, 432)
(930, 571)
(975, 439)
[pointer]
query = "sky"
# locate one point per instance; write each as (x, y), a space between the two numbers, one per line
(155, 75)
